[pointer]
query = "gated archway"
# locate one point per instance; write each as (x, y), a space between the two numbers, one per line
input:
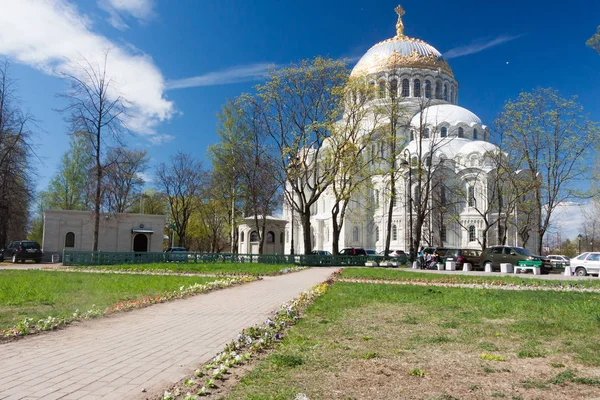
(140, 243)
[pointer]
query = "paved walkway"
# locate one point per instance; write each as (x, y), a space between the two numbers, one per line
(119, 356)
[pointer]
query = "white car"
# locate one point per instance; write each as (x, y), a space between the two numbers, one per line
(558, 260)
(586, 264)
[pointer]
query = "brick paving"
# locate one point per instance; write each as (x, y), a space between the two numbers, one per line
(119, 356)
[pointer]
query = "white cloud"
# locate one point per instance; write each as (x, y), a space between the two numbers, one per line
(160, 139)
(238, 74)
(567, 219)
(146, 177)
(48, 35)
(121, 9)
(477, 46)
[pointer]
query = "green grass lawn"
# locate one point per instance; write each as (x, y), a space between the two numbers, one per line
(200, 268)
(38, 294)
(369, 341)
(399, 274)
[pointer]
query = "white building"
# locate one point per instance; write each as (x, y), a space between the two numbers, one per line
(444, 135)
(273, 240)
(74, 230)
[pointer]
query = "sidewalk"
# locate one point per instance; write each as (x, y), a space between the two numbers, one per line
(119, 356)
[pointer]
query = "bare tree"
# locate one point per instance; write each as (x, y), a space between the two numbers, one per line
(15, 169)
(96, 109)
(122, 178)
(181, 181)
(551, 137)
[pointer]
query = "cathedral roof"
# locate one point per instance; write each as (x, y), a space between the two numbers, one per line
(448, 113)
(400, 52)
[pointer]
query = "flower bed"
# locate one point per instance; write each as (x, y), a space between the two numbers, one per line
(28, 326)
(248, 343)
(165, 271)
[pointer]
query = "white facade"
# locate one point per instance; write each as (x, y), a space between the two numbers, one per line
(74, 230)
(273, 239)
(443, 134)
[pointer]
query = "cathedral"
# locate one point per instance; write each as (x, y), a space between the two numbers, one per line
(454, 200)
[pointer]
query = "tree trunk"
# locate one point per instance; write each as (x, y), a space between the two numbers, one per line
(98, 192)
(335, 240)
(305, 218)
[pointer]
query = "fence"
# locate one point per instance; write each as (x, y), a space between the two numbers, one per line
(71, 258)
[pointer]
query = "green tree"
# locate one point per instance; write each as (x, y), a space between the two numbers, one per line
(68, 189)
(594, 41)
(150, 201)
(551, 137)
(299, 106)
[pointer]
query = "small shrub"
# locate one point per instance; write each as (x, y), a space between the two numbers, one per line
(530, 384)
(488, 370)
(474, 387)
(367, 337)
(530, 353)
(491, 357)
(369, 355)
(417, 372)
(488, 346)
(498, 395)
(557, 365)
(286, 360)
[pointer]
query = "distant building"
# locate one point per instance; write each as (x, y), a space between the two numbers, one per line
(74, 230)
(273, 238)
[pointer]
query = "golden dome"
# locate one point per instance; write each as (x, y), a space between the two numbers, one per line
(400, 52)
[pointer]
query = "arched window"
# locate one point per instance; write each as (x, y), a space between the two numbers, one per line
(472, 236)
(417, 88)
(355, 234)
(428, 89)
(372, 90)
(444, 132)
(270, 237)
(242, 237)
(474, 134)
(405, 88)
(471, 195)
(376, 198)
(381, 89)
(412, 135)
(394, 232)
(426, 133)
(254, 236)
(438, 90)
(461, 133)
(281, 237)
(70, 239)
(287, 236)
(394, 198)
(446, 92)
(393, 88)
(452, 95)
(443, 233)
(377, 234)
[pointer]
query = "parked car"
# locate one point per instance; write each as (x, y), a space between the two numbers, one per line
(558, 260)
(441, 252)
(22, 250)
(505, 254)
(398, 255)
(353, 251)
(320, 253)
(462, 256)
(176, 254)
(371, 252)
(586, 264)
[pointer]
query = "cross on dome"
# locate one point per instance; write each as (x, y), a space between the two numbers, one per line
(399, 25)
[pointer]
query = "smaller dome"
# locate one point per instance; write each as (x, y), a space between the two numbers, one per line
(449, 113)
(478, 146)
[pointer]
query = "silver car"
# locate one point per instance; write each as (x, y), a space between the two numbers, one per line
(586, 264)
(558, 260)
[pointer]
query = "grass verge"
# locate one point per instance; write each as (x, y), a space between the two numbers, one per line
(200, 268)
(399, 275)
(38, 294)
(434, 343)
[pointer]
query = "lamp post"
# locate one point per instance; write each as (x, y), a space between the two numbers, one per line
(410, 206)
(292, 243)
(579, 243)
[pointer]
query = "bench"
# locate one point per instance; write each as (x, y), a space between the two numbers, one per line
(534, 265)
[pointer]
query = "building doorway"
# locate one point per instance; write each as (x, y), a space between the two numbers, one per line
(140, 243)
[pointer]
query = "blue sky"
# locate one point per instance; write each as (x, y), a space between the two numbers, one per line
(178, 61)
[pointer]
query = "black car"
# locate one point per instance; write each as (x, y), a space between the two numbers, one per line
(353, 251)
(495, 255)
(463, 256)
(22, 250)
